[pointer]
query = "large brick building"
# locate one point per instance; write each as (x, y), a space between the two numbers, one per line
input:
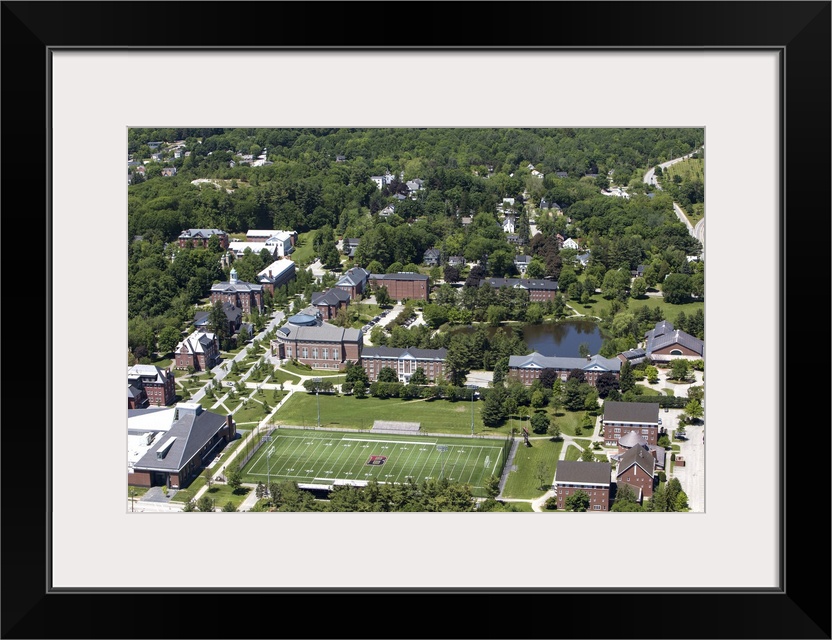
(593, 478)
(637, 468)
(200, 350)
(354, 282)
(308, 339)
(529, 368)
(200, 237)
(404, 362)
(149, 385)
(620, 418)
(539, 290)
(329, 302)
(401, 286)
(245, 295)
(173, 451)
(277, 274)
(664, 343)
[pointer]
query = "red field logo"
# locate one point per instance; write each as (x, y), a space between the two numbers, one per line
(377, 460)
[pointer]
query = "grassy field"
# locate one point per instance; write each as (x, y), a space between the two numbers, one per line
(435, 416)
(573, 454)
(281, 375)
(599, 304)
(304, 253)
(254, 412)
(568, 421)
(327, 457)
(522, 481)
(303, 371)
(222, 493)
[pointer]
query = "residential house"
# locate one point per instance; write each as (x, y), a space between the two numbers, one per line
(233, 316)
(638, 272)
(246, 295)
(530, 367)
(404, 362)
(169, 171)
(583, 259)
(539, 289)
(456, 261)
(570, 243)
(200, 237)
(466, 220)
(663, 343)
(382, 181)
(561, 174)
(340, 158)
(515, 239)
(240, 247)
(354, 282)
(521, 263)
(279, 273)
(432, 257)
(509, 224)
(637, 468)
(417, 184)
(175, 454)
(264, 235)
(200, 350)
(350, 245)
(329, 302)
(400, 286)
(593, 478)
(387, 211)
(150, 385)
(310, 340)
(620, 418)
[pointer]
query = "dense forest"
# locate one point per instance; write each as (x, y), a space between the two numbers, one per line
(318, 183)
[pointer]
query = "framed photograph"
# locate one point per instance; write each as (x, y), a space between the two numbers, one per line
(755, 77)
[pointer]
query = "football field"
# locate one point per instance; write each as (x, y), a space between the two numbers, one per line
(326, 458)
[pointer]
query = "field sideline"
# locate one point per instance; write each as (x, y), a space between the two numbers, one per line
(330, 457)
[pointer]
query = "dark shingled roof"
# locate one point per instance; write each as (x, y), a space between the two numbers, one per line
(637, 412)
(332, 297)
(391, 352)
(589, 472)
(398, 276)
(636, 455)
(525, 283)
(192, 432)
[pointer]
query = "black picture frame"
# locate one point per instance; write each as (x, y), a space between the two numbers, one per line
(800, 609)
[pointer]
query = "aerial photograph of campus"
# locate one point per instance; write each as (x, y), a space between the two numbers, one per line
(416, 319)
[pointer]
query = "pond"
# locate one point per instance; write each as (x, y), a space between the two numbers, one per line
(554, 338)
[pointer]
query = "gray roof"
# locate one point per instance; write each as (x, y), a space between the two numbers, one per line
(588, 472)
(636, 412)
(353, 277)
(321, 331)
(561, 174)
(537, 361)
(331, 297)
(522, 259)
(201, 233)
(390, 352)
(196, 342)
(632, 439)
(637, 455)
(192, 432)
(132, 413)
(133, 392)
(432, 252)
(146, 372)
(634, 354)
(234, 287)
(521, 283)
(398, 276)
(664, 335)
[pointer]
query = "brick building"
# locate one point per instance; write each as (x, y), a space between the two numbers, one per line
(637, 468)
(149, 385)
(200, 350)
(620, 418)
(174, 453)
(593, 478)
(529, 368)
(245, 295)
(539, 290)
(354, 282)
(276, 275)
(200, 237)
(233, 317)
(400, 286)
(404, 362)
(308, 339)
(328, 302)
(664, 343)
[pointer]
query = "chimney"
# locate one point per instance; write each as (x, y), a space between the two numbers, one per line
(229, 422)
(588, 358)
(270, 274)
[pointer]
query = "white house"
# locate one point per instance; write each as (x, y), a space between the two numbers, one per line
(569, 243)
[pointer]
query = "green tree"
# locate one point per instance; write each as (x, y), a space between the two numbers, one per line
(235, 479)
(209, 477)
(681, 502)
(189, 506)
(387, 374)
(360, 389)
(587, 455)
(492, 486)
(626, 499)
(638, 288)
(382, 296)
(493, 410)
(418, 377)
(229, 506)
(554, 430)
(676, 288)
(540, 422)
(578, 501)
(543, 475)
(205, 504)
(679, 368)
(169, 337)
(694, 410)
(652, 374)
(457, 366)
(538, 400)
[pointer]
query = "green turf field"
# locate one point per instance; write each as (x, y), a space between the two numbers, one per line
(330, 457)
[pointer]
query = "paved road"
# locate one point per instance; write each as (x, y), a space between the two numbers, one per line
(697, 232)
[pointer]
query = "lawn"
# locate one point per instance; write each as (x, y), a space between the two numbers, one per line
(600, 304)
(573, 454)
(183, 495)
(254, 412)
(280, 375)
(522, 481)
(568, 421)
(327, 457)
(367, 310)
(137, 492)
(648, 391)
(304, 252)
(337, 411)
(308, 371)
(222, 493)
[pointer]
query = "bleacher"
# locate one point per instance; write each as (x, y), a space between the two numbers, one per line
(389, 426)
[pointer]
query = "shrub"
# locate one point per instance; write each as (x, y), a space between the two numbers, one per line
(551, 503)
